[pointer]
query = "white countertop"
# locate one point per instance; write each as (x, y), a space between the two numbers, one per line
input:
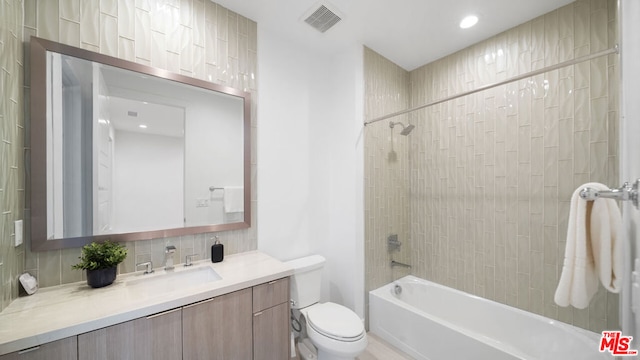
(67, 310)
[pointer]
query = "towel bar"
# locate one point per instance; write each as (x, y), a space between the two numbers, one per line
(213, 188)
(624, 193)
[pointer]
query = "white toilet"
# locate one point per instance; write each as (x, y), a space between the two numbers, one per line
(336, 331)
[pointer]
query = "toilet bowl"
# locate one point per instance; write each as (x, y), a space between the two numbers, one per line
(335, 330)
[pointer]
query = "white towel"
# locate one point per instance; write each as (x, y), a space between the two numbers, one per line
(233, 199)
(593, 250)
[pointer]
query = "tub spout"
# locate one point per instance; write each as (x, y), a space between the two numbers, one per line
(397, 263)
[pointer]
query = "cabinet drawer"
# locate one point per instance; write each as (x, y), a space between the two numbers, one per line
(270, 294)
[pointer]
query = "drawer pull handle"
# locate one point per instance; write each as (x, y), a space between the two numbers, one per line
(28, 350)
(272, 282)
(258, 313)
(162, 313)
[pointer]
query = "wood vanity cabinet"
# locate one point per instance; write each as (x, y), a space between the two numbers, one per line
(61, 349)
(157, 337)
(271, 320)
(252, 323)
(218, 328)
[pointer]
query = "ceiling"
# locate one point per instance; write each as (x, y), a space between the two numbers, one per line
(411, 33)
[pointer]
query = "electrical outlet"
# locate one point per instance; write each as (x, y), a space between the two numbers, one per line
(202, 203)
(18, 232)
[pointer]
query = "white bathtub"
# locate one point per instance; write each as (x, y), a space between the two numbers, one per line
(430, 321)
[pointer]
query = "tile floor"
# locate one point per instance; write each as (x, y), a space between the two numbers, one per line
(378, 349)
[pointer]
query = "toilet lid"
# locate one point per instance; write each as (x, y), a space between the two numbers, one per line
(335, 321)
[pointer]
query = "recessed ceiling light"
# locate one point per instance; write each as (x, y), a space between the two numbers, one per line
(468, 21)
(142, 126)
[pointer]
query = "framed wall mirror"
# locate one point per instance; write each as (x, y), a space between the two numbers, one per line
(124, 151)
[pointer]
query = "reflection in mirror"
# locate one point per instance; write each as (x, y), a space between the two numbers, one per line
(131, 155)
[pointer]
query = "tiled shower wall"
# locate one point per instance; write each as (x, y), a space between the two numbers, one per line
(11, 147)
(197, 38)
(386, 171)
(492, 174)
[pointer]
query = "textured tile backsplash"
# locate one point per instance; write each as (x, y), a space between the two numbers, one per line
(12, 133)
(197, 38)
(491, 174)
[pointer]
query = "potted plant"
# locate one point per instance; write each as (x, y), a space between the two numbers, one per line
(101, 261)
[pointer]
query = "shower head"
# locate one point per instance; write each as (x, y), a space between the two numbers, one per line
(406, 130)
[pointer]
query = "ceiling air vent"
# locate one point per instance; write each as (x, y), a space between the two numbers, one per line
(322, 19)
(132, 113)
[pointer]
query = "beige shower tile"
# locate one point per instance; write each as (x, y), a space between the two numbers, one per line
(232, 28)
(551, 38)
(90, 22)
(126, 49)
(49, 268)
(199, 64)
(598, 30)
(599, 120)
(523, 291)
(48, 20)
(537, 39)
(598, 162)
(174, 31)
(70, 10)
(143, 35)
(211, 44)
(613, 133)
(109, 7)
(70, 33)
(126, 19)
(129, 263)
(173, 62)
(199, 23)
(68, 258)
(222, 21)
(550, 205)
(598, 78)
(186, 50)
(581, 25)
(159, 15)
(186, 12)
(537, 271)
(581, 152)
(158, 50)
(222, 61)
(582, 110)
(30, 14)
(565, 183)
(565, 21)
(109, 35)
(565, 141)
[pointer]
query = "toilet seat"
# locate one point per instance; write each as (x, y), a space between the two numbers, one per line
(335, 322)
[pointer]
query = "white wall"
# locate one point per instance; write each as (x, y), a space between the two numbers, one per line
(630, 148)
(310, 160)
(214, 155)
(148, 170)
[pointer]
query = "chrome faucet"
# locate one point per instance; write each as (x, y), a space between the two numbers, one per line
(397, 263)
(149, 265)
(188, 259)
(168, 257)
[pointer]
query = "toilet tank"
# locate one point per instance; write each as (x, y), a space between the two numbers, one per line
(306, 280)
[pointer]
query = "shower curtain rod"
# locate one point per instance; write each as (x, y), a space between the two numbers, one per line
(613, 50)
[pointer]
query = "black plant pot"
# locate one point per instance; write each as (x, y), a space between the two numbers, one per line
(101, 277)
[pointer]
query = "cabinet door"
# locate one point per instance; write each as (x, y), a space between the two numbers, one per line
(219, 328)
(271, 333)
(154, 337)
(270, 294)
(64, 349)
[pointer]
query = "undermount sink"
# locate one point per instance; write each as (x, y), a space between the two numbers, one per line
(173, 280)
